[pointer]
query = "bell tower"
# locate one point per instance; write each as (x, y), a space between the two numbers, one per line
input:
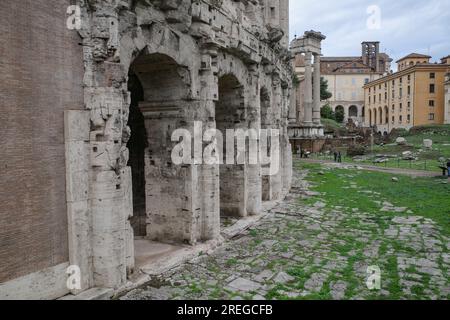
(371, 54)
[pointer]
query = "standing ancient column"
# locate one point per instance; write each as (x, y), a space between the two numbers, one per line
(308, 89)
(316, 103)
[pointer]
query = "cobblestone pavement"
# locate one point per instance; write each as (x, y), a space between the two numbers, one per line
(313, 252)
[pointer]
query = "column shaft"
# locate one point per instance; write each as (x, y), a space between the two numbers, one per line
(308, 89)
(316, 103)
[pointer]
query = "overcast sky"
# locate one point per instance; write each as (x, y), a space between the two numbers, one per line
(406, 26)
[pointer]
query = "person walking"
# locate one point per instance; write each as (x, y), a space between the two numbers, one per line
(335, 156)
(340, 157)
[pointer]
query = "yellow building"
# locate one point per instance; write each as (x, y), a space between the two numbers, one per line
(413, 96)
(346, 77)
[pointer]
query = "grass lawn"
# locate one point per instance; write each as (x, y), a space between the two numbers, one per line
(361, 196)
(427, 197)
(427, 159)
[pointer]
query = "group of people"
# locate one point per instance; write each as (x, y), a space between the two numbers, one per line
(337, 156)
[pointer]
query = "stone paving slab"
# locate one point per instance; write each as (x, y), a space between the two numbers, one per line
(316, 252)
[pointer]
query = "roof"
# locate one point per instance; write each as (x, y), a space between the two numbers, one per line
(415, 68)
(415, 56)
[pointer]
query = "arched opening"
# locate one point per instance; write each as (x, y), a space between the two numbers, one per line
(375, 117)
(136, 145)
(353, 112)
(386, 115)
(370, 118)
(380, 115)
(363, 112)
(159, 93)
(340, 114)
(230, 114)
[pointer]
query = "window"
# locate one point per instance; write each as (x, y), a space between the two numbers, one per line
(432, 88)
(385, 96)
(401, 107)
(401, 92)
(369, 99)
(393, 94)
(401, 80)
(379, 87)
(409, 77)
(431, 103)
(431, 116)
(400, 119)
(393, 82)
(409, 106)
(393, 107)
(379, 96)
(408, 119)
(393, 119)
(432, 75)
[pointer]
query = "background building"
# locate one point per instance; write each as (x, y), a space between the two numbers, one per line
(347, 76)
(411, 97)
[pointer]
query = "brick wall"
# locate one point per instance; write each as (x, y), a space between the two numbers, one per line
(40, 76)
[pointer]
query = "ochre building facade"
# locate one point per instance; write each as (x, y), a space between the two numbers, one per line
(413, 96)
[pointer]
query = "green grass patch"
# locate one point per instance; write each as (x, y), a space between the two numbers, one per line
(427, 197)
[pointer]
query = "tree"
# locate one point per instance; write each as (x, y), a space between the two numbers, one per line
(339, 115)
(324, 93)
(327, 113)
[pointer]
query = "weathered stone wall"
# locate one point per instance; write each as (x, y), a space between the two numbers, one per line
(41, 72)
(196, 61)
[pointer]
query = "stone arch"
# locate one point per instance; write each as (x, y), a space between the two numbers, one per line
(161, 102)
(229, 65)
(380, 115)
(353, 111)
(370, 117)
(341, 109)
(375, 119)
(230, 114)
(157, 39)
(386, 115)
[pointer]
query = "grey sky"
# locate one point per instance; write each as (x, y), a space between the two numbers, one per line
(406, 25)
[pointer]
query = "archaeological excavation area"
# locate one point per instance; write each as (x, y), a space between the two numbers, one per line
(89, 187)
